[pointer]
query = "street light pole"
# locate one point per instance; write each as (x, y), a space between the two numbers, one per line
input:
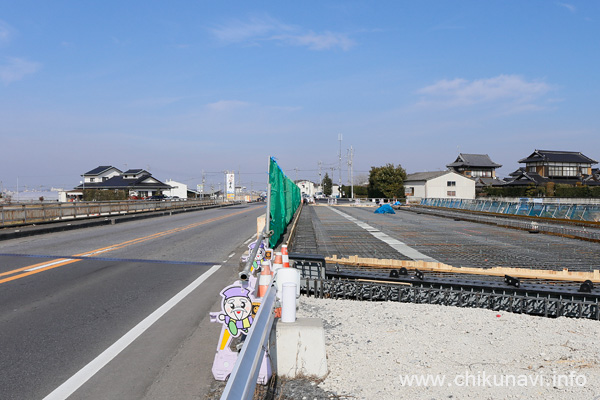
(340, 166)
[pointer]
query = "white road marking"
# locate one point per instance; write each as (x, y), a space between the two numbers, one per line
(84, 374)
(249, 240)
(231, 255)
(49, 264)
(67, 259)
(98, 252)
(397, 245)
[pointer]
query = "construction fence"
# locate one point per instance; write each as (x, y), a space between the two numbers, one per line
(285, 199)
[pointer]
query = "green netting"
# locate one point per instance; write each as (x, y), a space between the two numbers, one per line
(285, 199)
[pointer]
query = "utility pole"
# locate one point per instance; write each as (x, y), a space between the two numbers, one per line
(203, 183)
(320, 176)
(225, 186)
(350, 172)
(340, 166)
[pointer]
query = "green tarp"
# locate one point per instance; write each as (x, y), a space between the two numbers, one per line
(285, 199)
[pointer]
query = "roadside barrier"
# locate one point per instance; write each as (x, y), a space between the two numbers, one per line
(547, 208)
(587, 230)
(285, 256)
(278, 263)
(23, 214)
(248, 305)
(264, 281)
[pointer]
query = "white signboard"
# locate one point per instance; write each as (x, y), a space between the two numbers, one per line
(230, 186)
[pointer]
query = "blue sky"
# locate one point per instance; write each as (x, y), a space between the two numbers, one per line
(183, 86)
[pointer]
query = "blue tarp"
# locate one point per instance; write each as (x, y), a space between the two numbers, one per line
(385, 209)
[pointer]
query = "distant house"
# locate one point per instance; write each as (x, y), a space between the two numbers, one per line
(474, 165)
(136, 182)
(307, 187)
(566, 167)
(438, 184)
(335, 190)
(594, 178)
(101, 174)
(177, 189)
(477, 166)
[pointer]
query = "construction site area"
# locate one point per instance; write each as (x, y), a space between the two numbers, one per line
(425, 255)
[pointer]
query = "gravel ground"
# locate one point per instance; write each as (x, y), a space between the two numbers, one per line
(480, 354)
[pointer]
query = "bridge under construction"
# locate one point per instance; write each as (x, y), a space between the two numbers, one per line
(423, 256)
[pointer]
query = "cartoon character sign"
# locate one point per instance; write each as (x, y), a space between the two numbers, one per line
(237, 308)
(260, 254)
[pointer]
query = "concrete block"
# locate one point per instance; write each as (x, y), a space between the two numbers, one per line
(298, 348)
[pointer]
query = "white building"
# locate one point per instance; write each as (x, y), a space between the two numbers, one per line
(178, 189)
(335, 190)
(307, 187)
(311, 188)
(439, 184)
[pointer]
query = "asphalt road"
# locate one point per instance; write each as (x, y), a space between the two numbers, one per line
(71, 302)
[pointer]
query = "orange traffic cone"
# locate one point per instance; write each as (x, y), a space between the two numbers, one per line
(264, 280)
(278, 263)
(285, 256)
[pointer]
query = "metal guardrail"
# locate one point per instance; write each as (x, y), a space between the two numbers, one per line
(525, 207)
(242, 381)
(20, 214)
(567, 228)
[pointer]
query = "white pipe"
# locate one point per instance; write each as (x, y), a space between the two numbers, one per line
(288, 302)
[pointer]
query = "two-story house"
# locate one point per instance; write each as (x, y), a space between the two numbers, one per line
(101, 174)
(136, 182)
(480, 167)
(543, 166)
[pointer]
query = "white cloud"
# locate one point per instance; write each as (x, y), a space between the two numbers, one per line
(314, 41)
(256, 28)
(155, 102)
(568, 6)
(245, 108)
(227, 105)
(265, 28)
(6, 32)
(15, 69)
(510, 89)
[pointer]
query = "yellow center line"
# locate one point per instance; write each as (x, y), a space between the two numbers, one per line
(59, 262)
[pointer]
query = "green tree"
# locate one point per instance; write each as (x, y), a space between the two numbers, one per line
(386, 181)
(327, 185)
(104, 195)
(550, 189)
